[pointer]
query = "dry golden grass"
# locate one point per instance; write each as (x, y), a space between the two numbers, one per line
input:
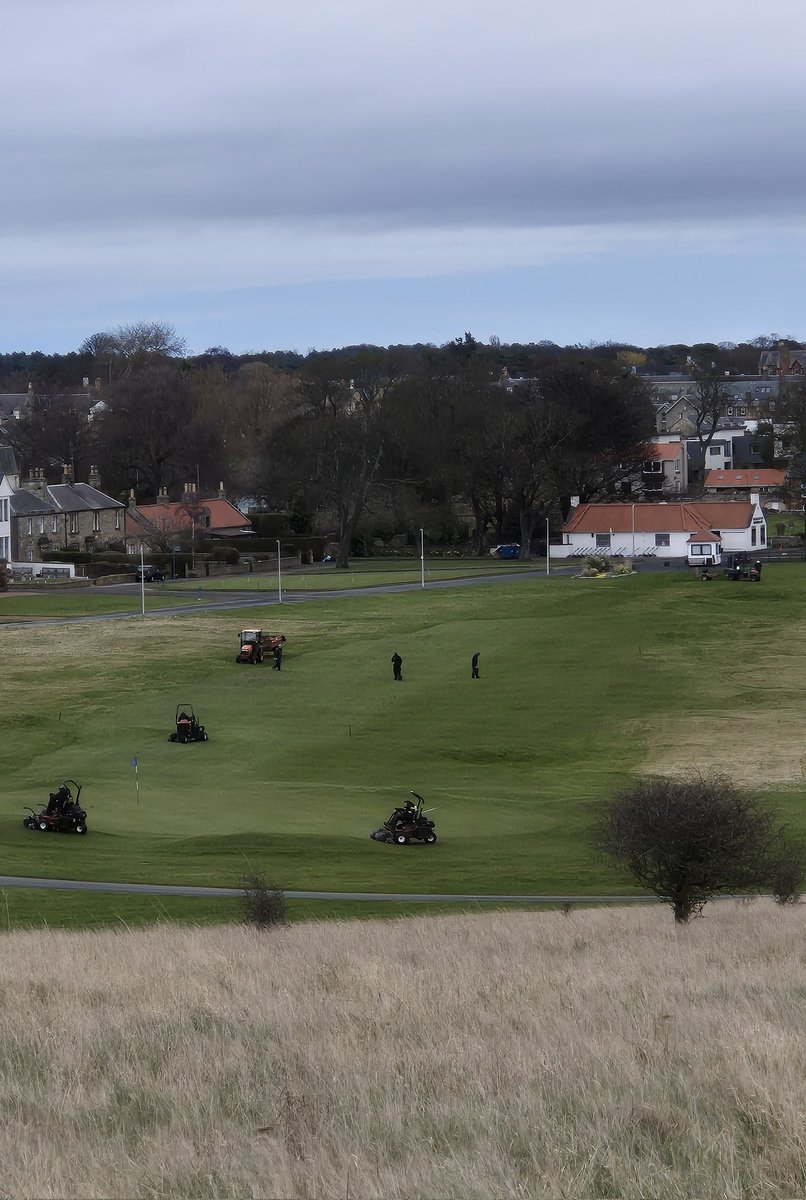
(597, 1054)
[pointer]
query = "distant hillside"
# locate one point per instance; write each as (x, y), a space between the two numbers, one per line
(595, 1054)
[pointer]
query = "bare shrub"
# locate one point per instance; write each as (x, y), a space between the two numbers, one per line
(687, 840)
(787, 870)
(263, 901)
(3, 575)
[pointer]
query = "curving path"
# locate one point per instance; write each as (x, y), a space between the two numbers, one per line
(170, 889)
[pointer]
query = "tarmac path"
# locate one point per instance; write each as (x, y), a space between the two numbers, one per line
(170, 889)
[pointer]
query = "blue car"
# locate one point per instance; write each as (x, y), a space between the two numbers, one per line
(510, 550)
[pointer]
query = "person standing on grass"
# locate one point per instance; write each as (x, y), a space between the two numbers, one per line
(474, 666)
(397, 666)
(278, 658)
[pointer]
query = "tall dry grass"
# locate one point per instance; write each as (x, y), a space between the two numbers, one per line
(598, 1054)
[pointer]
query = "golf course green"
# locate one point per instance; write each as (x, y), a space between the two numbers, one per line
(584, 683)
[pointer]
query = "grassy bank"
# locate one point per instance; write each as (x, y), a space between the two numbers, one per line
(591, 1056)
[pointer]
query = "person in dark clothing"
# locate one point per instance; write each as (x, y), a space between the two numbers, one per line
(278, 658)
(757, 569)
(474, 666)
(397, 666)
(58, 800)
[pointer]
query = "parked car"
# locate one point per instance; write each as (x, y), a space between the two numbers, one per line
(510, 550)
(148, 573)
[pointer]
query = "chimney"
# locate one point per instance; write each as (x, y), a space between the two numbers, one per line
(30, 392)
(755, 498)
(784, 365)
(97, 383)
(85, 382)
(131, 502)
(94, 479)
(36, 484)
(67, 474)
(222, 495)
(575, 501)
(162, 497)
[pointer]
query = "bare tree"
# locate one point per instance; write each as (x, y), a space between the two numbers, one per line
(707, 405)
(688, 840)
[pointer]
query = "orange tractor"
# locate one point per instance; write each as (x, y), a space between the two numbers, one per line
(255, 645)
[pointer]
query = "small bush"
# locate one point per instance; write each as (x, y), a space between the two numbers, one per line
(787, 872)
(599, 562)
(3, 576)
(263, 901)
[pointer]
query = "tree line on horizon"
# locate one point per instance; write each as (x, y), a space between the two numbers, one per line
(474, 442)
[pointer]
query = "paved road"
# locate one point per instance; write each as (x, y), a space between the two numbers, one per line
(203, 601)
(168, 889)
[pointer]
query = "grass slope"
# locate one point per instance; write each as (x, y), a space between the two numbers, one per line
(584, 682)
(592, 1056)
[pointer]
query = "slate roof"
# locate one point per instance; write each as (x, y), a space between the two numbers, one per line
(80, 497)
(27, 504)
(8, 463)
(700, 517)
(62, 497)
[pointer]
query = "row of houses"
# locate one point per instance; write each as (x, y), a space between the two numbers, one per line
(38, 518)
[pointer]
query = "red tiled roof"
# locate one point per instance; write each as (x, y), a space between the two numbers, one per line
(764, 477)
(176, 515)
(664, 452)
(699, 517)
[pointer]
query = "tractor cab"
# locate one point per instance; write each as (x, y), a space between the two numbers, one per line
(254, 644)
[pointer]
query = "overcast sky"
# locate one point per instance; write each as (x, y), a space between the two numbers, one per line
(324, 172)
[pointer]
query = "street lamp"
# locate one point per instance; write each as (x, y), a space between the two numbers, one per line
(422, 558)
(279, 576)
(142, 583)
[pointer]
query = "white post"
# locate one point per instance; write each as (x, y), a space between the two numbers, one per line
(548, 549)
(422, 559)
(633, 531)
(279, 576)
(142, 583)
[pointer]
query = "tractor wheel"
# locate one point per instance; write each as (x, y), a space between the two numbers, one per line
(237, 658)
(81, 828)
(430, 838)
(43, 825)
(401, 839)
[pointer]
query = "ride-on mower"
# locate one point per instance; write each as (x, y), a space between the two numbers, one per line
(62, 813)
(255, 644)
(407, 824)
(188, 728)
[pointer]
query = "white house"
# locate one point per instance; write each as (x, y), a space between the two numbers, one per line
(690, 532)
(6, 492)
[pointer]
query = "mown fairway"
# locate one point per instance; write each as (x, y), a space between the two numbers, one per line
(584, 683)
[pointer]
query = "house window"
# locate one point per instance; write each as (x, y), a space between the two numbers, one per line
(714, 451)
(653, 468)
(41, 524)
(662, 539)
(743, 411)
(730, 411)
(117, 518)
(762, 535)
(753, 536)
(30, 556)
(74, 522)
(30, 524)
(96, 522)
(54, 524)
(602, 541)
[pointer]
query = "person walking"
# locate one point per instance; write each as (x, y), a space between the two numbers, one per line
(278, 658)
(397, 666)
(474, 666)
